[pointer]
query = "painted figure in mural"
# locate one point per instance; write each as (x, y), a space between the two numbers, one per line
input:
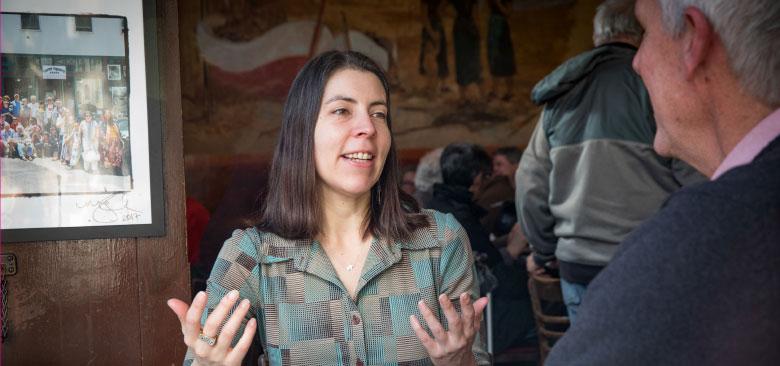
(468, 65)
(433, 46)
(501, 52)
(342, 268)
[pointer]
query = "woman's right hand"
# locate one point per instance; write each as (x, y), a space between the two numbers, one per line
(221, 352)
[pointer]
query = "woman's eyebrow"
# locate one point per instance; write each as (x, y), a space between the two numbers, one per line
(340, 97)
(352, 100)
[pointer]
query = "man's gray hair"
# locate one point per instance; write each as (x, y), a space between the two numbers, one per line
(615, 19)
(750, 31)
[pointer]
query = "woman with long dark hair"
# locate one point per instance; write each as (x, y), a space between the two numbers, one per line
(342, 267)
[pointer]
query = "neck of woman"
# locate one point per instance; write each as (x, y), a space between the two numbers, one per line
(344, 220)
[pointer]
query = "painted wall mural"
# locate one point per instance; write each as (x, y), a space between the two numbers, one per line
(461, 70)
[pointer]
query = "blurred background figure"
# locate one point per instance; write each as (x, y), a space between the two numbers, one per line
(408, 174)
(464, 167)
(428, 173)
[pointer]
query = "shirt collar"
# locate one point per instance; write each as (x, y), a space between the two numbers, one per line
(751, 144)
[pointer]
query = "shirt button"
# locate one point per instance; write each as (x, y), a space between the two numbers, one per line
(355, 319)
(358, 362)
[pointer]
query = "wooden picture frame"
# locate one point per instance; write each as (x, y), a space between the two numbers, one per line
(89, 202)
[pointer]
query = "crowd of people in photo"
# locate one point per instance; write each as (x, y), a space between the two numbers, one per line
(32, 130)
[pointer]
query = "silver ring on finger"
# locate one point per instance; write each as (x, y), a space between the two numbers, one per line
(211, 341)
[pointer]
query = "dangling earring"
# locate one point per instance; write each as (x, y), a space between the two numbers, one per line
(378, 194)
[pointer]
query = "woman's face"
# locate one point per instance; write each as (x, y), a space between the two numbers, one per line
(351, 137)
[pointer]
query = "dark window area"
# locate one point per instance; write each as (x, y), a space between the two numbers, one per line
(30, 21)
(84, 24)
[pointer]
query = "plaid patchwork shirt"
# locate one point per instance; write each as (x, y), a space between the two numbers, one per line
(305, 314)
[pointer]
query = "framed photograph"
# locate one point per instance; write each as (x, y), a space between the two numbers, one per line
(81, 150)
(114, 72)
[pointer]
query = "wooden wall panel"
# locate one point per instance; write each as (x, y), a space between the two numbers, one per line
(78, 297)
(162, 262)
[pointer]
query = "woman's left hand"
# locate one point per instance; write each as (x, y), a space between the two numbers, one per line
(453, 346)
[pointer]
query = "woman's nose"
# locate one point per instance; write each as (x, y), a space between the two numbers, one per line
(364, 126)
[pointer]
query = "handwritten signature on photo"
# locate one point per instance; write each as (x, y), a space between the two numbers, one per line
(111, 208)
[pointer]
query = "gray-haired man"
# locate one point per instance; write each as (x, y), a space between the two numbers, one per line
(589, 175)
(698, 283)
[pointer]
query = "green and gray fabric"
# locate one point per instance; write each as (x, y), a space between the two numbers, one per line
(589, 175)
(305, 314)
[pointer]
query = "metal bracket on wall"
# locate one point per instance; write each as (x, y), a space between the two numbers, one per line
(9, 268)
(9, 264)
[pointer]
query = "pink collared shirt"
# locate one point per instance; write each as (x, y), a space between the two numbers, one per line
(751, 145)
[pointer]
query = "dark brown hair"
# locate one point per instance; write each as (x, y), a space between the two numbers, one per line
(292, 204)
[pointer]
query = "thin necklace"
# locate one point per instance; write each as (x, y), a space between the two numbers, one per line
(351, 266)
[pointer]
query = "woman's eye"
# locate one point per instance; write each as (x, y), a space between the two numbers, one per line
(380, 115)
(341, 112)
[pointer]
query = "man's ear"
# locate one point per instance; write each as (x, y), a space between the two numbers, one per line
(698, 40)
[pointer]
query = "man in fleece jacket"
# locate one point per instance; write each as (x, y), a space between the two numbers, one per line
(589, 175)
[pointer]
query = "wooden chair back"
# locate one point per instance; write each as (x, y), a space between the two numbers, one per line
(549, 311)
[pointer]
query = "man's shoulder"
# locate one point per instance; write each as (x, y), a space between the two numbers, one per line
(754, 185)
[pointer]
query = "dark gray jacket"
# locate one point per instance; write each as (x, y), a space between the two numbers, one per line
(589, 174)
(697, 284)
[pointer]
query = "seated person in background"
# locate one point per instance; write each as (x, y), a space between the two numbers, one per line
(463, 167)
(342, 268)
(505, 162)
(497, 195)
